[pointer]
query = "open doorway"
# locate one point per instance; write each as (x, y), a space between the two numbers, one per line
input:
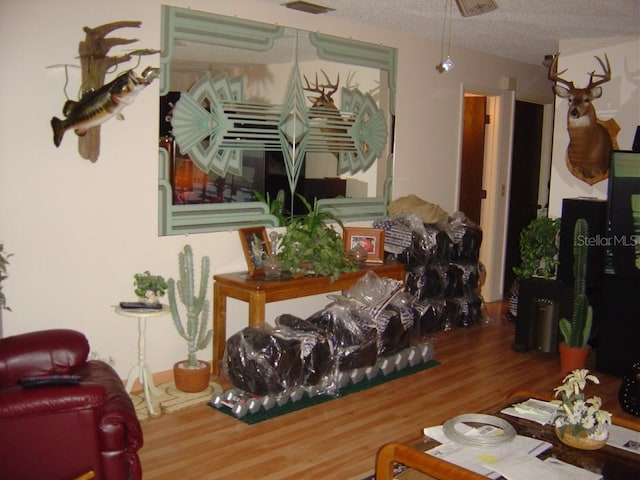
(498, 128)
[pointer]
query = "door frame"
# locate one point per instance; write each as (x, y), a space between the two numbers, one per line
(497, 180)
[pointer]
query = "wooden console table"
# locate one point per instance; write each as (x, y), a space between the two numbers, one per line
(258, 291)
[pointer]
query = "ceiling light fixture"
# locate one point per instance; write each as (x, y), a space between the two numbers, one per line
(307, 7)
(469, 8)
(446, 64)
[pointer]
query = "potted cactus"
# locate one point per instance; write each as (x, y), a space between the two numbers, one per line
(191, 375)
(575, 333)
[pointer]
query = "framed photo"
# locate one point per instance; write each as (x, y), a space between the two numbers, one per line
(371, 239)
(256, 247)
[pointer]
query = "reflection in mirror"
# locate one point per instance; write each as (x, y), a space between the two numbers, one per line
(250, 109)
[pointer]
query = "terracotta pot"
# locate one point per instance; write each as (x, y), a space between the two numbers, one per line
(572, 358)
(189, 379)
(583, 443)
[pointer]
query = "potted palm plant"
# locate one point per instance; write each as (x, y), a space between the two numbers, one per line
(575, 333)
(191, 375)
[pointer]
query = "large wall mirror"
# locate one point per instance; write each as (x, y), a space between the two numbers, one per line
(249, 109)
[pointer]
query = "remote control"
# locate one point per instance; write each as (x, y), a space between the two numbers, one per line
(43, 380)
(140, 306)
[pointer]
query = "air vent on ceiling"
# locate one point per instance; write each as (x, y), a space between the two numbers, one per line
(308, 7)
(469, 8)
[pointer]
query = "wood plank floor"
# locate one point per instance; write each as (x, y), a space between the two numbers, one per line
(339, 439)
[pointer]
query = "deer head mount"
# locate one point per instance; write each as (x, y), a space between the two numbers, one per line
(590, 142)
(324, 99)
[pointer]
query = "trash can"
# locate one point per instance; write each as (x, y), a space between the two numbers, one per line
(545, 338)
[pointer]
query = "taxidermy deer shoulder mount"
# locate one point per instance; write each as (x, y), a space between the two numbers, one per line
(590, 141)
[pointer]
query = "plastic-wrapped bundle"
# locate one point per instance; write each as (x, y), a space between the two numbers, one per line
(398, 234)
(433, 246)
(435, 285)
(467, 239)
(263, 361)
(372, 293)
(394, 335)
(352, 333)
(470, 278)
(470, 311)
(429, 316)
(454, 281)
(416, 281)
(463, 311)
(451, 314)
(317, 354)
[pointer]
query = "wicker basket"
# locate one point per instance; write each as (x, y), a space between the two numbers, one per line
(581, 442)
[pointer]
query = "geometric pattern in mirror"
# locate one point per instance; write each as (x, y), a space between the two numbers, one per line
(256, 113)
(213, 124)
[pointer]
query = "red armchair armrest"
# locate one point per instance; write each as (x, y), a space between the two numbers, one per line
(63, 431)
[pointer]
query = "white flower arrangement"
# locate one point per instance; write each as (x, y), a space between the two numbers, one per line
(579, 416)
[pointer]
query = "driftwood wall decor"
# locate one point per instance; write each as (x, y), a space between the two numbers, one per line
(99, 102)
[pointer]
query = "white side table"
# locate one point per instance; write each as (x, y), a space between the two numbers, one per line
(141, 370)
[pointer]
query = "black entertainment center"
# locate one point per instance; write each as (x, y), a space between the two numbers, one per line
(613, 278)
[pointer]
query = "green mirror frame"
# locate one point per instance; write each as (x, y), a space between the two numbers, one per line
(180, 24)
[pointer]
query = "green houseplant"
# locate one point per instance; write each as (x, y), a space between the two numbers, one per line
(191, 375)
(276, 205)
(538, 255)
(4, 261)
(538, 249)
(311, 246)
(149, 288)
(575, 333)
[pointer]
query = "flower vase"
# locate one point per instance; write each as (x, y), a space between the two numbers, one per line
(579, 441)
(572, 358)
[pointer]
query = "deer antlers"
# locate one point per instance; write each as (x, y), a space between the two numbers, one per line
(325, 97)
(554, 75)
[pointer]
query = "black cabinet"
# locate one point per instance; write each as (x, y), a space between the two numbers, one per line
(619, 333)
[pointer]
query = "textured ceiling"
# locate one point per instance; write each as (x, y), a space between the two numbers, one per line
(523, 30)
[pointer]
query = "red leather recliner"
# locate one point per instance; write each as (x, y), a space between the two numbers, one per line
(60, 432)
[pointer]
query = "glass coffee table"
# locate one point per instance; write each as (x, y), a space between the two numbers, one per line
(610, 462)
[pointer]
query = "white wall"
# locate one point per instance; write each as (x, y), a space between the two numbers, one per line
(620, 100)
(80, 230)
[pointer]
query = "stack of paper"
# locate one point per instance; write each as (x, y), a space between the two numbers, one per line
(515, 460)
(534, 410)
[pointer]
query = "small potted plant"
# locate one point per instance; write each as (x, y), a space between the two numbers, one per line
(575, 333)
(580, 422)
(149, 288)
(191, 375)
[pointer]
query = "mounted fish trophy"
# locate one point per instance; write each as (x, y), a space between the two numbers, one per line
(591, 140)
(98, 101)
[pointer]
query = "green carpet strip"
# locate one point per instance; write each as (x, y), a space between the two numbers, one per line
(306, 401)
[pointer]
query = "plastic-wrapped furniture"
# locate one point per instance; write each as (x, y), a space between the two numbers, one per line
(62, 416)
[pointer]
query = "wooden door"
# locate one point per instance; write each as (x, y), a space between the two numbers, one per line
(471, 192)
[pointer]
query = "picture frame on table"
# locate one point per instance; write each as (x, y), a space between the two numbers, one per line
(371, 239)
(256, 248)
